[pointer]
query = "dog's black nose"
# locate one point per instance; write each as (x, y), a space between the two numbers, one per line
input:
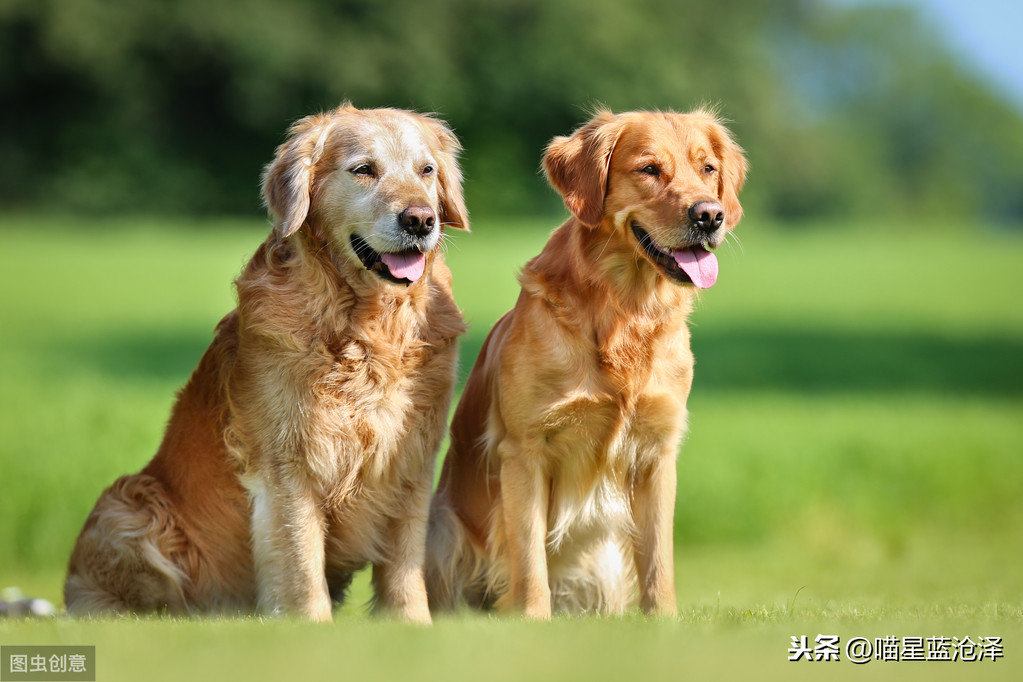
(418, 221)
(707, 215)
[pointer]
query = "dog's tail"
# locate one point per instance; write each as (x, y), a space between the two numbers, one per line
(131, 553)
(456, 567)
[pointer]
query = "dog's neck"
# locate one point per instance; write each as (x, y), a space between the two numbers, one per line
(596, 284)
(319, 294)
(592, 275)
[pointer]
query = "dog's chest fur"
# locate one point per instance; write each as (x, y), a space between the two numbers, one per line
(365, 417)
(626, 410)
(380, 434)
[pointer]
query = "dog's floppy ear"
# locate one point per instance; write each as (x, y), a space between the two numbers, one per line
(288, 179)
(453, 212)
(577, 166)
(733, 172)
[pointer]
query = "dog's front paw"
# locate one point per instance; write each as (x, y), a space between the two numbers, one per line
(664, 607)
(417, 615)
(537, 604)
(537, 612)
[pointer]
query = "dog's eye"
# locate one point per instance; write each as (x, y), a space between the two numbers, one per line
(652, 169)
(708, 169)
(364, 169)
(428, 169)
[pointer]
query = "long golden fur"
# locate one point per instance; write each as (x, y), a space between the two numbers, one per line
(558, 489)
(303, 446)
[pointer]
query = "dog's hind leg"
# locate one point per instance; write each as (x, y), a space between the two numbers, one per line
(456, 569)
(131, 554)
(443, 550)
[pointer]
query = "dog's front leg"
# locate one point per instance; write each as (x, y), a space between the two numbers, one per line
(288, 550)
(398, 582)
(524, 499)
(653, 509)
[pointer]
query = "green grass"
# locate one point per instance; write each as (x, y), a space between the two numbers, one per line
(854, 464)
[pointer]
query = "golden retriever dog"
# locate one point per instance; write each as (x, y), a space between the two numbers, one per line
(558, 491)
(303, 446)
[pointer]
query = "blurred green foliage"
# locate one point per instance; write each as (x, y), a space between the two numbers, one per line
(155, 105)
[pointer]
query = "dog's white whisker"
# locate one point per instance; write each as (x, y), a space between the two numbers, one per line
(603, 248)
(730, 237)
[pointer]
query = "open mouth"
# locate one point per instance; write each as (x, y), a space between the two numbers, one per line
(400, 267)
(694, 264)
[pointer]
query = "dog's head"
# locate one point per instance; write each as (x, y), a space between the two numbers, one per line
(378, 185)
(667, 181)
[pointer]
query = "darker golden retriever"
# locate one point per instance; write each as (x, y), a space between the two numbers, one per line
(303, 446)
(558, 490)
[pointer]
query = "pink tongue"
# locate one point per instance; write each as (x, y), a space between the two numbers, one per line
(408, 266)
(700, 264)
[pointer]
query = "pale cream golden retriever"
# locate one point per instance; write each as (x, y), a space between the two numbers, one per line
(558, 490)
(303, 446)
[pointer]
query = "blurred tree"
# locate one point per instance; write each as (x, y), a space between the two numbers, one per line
(905, 129)
(154, 105)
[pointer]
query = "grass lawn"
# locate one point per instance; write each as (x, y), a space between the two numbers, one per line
(854, 466)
